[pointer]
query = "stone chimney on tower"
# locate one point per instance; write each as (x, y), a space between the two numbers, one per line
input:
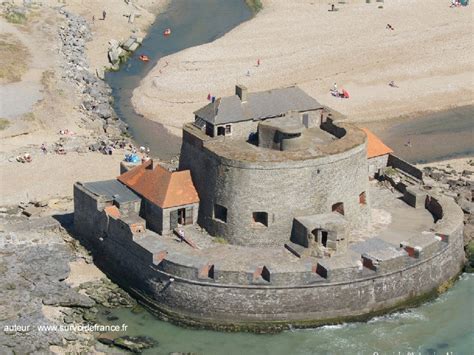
(241, 92)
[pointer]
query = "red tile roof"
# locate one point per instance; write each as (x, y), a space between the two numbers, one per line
(160, 186)
(375, 147)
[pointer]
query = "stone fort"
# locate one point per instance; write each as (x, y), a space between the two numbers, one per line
(280, 214)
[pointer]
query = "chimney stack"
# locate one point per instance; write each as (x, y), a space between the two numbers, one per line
(241, 92)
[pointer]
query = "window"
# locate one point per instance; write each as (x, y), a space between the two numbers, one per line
(338, 207)
(362, 198)
(260, 218)
(228, 129)
(221, 131)
(220, 213)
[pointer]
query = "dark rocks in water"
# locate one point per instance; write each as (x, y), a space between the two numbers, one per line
(112, 318)
(135, 344)
(105, 340)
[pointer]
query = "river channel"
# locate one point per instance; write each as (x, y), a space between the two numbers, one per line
(193, 22)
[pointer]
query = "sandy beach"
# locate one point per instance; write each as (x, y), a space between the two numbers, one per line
(428, 55)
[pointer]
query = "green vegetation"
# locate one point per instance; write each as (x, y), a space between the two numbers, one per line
(29, 117)
(221, 240)
(13, 59)
(4, 123)
(16, 17)
(255, 5)
(390, 172)
(470, 257)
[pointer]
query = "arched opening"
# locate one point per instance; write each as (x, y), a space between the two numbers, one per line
(362, 198)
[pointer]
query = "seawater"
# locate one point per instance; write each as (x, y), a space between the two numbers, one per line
(442, 326)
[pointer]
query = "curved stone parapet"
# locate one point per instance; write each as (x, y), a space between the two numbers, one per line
(188, 288)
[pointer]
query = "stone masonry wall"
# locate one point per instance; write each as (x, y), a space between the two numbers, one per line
(282, 189)
(295, 301)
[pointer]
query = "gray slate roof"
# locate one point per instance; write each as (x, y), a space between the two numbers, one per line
(113, 190)
(259, 105)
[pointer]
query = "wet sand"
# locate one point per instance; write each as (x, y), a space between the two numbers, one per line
(436, 136)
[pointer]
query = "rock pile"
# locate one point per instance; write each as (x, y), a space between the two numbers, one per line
(460, 186)
(96, 94)
(119, 51)
(107, 294)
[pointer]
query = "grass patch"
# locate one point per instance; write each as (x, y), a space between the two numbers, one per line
(4, 123)
(29, 117)
(255, 5)
(390, 172)
(15, 17)
(13, 59)
(221, 240)
(470, 257)
(47, 79)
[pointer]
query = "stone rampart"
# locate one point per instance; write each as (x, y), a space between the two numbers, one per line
(183, 289)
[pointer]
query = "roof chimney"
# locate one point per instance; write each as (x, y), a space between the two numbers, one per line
(241, 92)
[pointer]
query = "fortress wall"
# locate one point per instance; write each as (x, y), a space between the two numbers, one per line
(88, 218)
(402, 165)
(318, 301)
(281, 189)
(192, 300)
(377, 163)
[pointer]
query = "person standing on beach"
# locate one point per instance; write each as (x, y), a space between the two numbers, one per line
(103, 15)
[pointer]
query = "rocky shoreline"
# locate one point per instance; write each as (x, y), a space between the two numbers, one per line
(34, 268)
(459, 185)
(99, 115)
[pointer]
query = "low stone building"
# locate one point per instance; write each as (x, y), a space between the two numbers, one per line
(169, 198)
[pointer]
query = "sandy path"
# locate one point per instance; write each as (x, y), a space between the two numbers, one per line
(19, 97)
(429, 55)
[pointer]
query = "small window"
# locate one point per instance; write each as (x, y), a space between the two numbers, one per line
(228, 129)
(260, 218)
(221, 131)
(338, 207)
(220, 213)
(362, 198)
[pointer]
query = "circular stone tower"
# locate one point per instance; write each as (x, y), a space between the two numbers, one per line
(259, 175)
